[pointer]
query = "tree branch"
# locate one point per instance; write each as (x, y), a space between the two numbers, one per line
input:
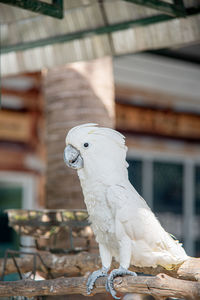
(79, 264)
(160, 286)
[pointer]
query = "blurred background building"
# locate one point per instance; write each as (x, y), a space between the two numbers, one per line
(149, 91)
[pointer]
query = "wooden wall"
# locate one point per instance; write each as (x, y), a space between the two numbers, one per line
(165, 123)
(22, 127)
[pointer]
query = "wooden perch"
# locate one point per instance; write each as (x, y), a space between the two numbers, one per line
(79, 264)
(160, 286)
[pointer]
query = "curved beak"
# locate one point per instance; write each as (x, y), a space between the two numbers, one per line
(73, 158)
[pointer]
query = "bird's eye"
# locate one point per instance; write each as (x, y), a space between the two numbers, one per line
(86, 145)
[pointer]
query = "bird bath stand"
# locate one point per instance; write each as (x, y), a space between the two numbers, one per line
(56, 231)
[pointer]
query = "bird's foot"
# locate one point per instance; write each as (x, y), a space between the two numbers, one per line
(115, 273)
(103, 272)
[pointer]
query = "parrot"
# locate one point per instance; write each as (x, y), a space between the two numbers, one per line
(124, 225)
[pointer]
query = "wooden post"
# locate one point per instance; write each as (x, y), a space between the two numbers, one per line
(77, 93)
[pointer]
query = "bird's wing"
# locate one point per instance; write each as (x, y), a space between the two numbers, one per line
(132, 212)
(139, 223)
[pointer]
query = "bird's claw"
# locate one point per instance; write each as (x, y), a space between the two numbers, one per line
(115, 273)
(93, 277)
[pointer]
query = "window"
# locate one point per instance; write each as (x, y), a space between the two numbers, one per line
(11, 197)
(197, 210)
(172, 189)
(135, 174)
(168, 187)
(197, 190)
(17, 190)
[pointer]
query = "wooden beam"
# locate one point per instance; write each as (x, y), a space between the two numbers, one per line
(15, 126)
(18, 127)
(80, 264)
(31, 100)
(16, 157)
(161, 286)
(127, 94)
(11, 159)
(167, 123)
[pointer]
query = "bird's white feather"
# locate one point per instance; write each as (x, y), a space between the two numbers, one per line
(124, 225)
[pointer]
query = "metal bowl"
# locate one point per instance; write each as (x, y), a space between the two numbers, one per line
(61, 228)
(45, 222)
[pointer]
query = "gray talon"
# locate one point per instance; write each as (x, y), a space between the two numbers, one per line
(93, 277)
(115, 273)
(107, 287)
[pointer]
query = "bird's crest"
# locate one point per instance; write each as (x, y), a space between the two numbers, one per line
(93, 128)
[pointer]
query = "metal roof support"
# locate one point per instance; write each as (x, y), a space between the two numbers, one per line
(83, 34)
(100, 30)
(176, 9)
(55, 9)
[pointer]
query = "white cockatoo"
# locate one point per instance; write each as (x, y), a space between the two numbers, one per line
(124, 225)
